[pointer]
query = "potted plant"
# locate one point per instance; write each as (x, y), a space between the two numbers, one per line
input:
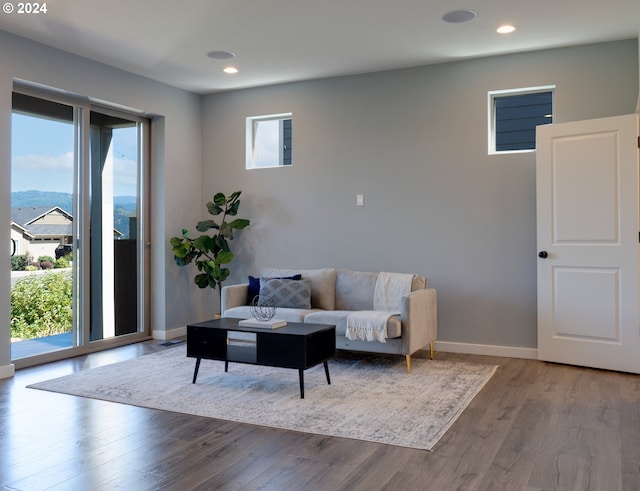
(211, 252)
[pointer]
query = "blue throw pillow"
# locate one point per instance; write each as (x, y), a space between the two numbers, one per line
(254, 285)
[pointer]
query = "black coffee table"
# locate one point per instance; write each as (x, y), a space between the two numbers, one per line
(299, 346)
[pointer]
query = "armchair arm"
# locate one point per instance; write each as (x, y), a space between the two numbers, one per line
(419, 318)
(233, 296)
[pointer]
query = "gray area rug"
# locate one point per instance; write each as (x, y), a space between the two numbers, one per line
(370, 398)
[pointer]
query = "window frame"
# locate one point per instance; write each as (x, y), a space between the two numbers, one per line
(492, 95)
(252, 123)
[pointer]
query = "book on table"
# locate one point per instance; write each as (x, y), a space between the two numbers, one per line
(270, 324)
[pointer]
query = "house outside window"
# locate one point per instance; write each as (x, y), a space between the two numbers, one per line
(514, 115)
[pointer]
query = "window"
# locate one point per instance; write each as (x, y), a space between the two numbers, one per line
(514, 115)
(269, 141)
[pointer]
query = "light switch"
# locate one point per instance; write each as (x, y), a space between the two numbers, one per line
(359, 199)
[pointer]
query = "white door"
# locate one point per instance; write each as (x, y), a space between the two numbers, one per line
(588, 234)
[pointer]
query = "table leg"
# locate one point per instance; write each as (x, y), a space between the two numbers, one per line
(301, 376)
(326, 371)
(226, 366)
(195, 372)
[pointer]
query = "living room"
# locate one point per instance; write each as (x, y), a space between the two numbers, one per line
(410, 141)
(413, 142)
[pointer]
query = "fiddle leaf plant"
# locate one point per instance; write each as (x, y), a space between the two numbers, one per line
(211, 253)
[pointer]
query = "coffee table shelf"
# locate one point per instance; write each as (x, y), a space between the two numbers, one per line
(242, 354)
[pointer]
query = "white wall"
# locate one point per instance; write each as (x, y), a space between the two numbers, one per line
(414, 142)
(176, 177)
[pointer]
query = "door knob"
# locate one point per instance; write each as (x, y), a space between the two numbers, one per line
(543, 254)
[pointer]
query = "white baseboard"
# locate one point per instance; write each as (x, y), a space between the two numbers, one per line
(170, 334)
(444, 346)
(486, 349)
(7, 371)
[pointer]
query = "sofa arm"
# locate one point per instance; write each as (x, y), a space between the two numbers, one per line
(419, 318)
(233, 296)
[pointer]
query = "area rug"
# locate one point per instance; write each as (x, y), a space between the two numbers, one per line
(370, 398)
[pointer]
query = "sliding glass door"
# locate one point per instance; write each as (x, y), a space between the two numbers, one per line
(114, 205)
(79, 180)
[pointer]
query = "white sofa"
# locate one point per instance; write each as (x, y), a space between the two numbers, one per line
(334, 294)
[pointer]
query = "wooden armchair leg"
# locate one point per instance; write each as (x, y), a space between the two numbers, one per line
(431, 350)
(408, 363)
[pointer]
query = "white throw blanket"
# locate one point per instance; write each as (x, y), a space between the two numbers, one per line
(371, 325)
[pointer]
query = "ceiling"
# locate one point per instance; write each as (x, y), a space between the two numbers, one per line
(277, 41)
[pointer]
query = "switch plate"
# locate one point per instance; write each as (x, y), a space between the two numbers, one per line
(359, 199)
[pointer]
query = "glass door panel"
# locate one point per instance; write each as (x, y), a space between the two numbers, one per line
(42, 205)
(115, 202)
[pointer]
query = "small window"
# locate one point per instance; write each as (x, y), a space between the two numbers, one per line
(269, 141)
(514, 115)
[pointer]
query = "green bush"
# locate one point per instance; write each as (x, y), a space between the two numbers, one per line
(48, 259)
(61, 263)
(41, 305)
(18, 263)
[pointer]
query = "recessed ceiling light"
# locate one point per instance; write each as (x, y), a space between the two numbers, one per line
(221, 55)
(506, 29)
(458, 16)
(230, 70)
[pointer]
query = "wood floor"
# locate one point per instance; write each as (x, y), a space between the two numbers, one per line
(535, 426)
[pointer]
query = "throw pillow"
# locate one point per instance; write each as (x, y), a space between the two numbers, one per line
(254, 285)
(323, 284)
(294, 294)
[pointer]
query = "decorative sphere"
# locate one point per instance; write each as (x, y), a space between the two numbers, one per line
(262, 308)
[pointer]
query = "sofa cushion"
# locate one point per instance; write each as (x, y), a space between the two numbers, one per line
(290, 315)
(339, 319)
(254, 286)
(323, 284)
(354, 290)
(419, 282)
(294, 294)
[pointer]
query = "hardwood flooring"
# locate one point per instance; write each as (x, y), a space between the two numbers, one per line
(535, 426)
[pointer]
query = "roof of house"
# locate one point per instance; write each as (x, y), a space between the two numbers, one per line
(27, 214)
(54, 230)
(21, 229)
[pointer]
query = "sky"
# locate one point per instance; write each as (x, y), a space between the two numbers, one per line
(42, 156)
(267, 143)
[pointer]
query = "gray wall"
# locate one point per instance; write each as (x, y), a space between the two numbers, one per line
(176, 174)
(414, 142)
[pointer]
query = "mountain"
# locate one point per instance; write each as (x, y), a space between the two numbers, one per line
(124, 206)
(23, 199)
